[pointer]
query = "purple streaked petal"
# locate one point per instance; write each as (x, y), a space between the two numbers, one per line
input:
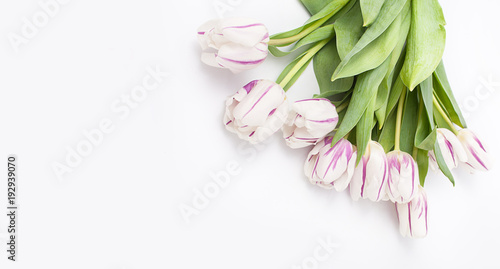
(252, 134)
(364, 176)
(409, 219)
(474, 153)
(272, 112)
(335, 158)
(242, 62)
(260, 98)
(250, 85)
(315, 166)
(450, 148)
(479, 143)
(425, 201)
(243, 26)
(412, 178)
(330, 120)
(229, 122)
(383, 180)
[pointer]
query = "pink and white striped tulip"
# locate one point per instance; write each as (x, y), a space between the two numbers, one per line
(412, 216)
(237, 44)
(370, 176)
(451, 148)
(403, 180)
(309, 121)
(331, 167)
(256, 111)
(477, 156)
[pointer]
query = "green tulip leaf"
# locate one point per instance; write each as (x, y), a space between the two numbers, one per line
(391, 10)
(445, 94)
(370, 10)
(426, 42)
(332, 8)
(364, 129)
(317, 35)
(349, 29)
(326, 60)
(387, 137)
(409, 122)
(423, 165)
(366, 88)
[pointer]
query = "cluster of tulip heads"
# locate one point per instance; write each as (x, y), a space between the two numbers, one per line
(260, 109)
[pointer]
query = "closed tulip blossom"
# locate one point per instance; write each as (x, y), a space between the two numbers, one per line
(403, 180)
(370, 176)
(451, 148)
(412, 216)
(477, 156)
(237, 44)
(331, 167)
(256, 111)
(309, 122)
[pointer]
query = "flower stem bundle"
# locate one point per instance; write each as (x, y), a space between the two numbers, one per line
(385, 111)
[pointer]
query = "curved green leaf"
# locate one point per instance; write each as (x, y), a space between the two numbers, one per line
(409, 122)
(387, 137)
(423, 165)
(425, 43)
(390, 11)
(370, 10)
(445, 94)
(364, 129)
(349, 29)
(366, 88)
(333, 7)
(326, 60)
(317, 35)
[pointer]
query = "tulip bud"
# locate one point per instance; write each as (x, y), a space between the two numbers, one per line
(451, 148)
(403, 181)
(412, 216)
(256, 111)
(477, 156)
(331, 167)
(370, 176)
(237, 44)
(309, 121)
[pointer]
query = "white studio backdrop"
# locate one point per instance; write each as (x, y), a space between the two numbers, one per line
(68, 98)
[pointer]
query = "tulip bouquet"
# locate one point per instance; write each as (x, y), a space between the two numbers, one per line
(385, 111)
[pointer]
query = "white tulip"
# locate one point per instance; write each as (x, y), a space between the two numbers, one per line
(309, 122)
(477, 156)
(256, 111)
(331, 167)
(403, 181)
(451, 148)
(237, 44)
(370, 177)
(412, 216)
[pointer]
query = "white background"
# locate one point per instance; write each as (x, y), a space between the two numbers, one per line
(119, 208)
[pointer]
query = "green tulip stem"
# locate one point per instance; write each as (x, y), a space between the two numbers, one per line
(441, 111)
(305, 59)
(342, 107)
(399, 120)
(302, 34)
